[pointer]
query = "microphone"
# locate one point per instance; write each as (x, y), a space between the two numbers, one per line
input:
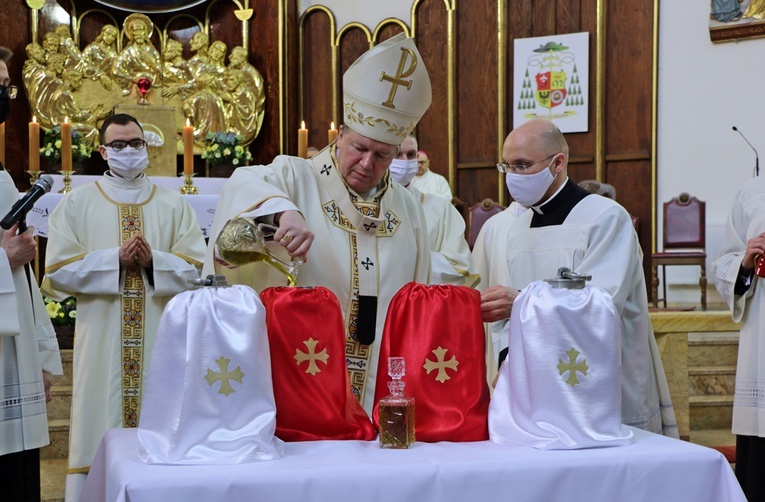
(756, 155)
(19, 210)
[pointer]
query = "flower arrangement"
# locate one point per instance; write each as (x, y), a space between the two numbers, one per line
(224, 149)
(51, 148)
(62, 313)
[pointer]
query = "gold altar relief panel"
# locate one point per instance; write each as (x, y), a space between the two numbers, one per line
(216, 89)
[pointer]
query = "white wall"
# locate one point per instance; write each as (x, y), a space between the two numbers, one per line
(704, 89)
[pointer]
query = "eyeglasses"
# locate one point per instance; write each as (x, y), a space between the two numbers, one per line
(11, 90)
(504, 167)
(119, 144)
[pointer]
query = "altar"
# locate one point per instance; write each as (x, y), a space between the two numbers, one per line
(655, 468)
(203, 204)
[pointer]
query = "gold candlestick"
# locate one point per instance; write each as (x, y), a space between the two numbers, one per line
(34, 176)
(67, 181)
(188, 187)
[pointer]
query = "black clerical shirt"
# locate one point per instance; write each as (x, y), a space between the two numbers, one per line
(556, 210)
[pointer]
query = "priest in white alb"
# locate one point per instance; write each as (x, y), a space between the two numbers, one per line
(450, 259)
(589, 234)
(362, 236)
(124, 247)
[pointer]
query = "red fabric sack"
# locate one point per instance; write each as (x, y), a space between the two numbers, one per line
(312, 390)
(438, 331)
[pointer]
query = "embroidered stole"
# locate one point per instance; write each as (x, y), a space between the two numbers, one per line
(361, 219)
(132, 308)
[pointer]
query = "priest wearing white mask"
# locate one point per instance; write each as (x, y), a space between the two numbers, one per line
(124, 247)
(450, 259)
(590, 234)
(362, 236)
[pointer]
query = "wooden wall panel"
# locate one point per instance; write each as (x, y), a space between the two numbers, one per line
(316, 78)
(432, 130)
(264, 55)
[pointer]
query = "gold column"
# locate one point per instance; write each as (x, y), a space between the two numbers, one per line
(501, 89)
(451, 108)
(600, 98)
(654, 120)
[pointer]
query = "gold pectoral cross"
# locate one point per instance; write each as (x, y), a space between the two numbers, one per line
(401, 74)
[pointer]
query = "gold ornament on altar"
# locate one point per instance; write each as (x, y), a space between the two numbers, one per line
(61, 80)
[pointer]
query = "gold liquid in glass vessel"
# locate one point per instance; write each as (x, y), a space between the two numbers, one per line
(241, 241)
(396, 410)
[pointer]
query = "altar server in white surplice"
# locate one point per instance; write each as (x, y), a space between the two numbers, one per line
(491, 267)
(123, 246)
(589, 234)
(363, 236)
(450, 260)
(28, 345)
(742, 290)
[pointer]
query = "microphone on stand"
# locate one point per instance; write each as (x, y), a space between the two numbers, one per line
(19, 210)
(756, 155)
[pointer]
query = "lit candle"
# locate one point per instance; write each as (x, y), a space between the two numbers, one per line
(302, 141)
(34, 145)
(188, 148)
(66, 145)
(2, 143)
(332, 133)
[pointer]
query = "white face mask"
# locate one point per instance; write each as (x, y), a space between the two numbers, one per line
(129, 162)
(403, 171)
(528, 189)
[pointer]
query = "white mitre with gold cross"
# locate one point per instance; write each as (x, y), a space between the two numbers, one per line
(386, 91)
(560, 386)
(209, 397)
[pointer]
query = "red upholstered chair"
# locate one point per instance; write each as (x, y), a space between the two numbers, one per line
(477, 216)
(684, 230)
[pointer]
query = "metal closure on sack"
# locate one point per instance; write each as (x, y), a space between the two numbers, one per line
(568, 280)
(211, 280)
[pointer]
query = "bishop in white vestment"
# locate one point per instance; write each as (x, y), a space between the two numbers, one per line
(363, 236)
(118, 306)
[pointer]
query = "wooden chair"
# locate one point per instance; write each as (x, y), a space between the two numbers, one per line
(684, 228)
(477, 216)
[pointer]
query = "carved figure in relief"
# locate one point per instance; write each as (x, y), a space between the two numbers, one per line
(240, 102)
(174, 68)
(205, 107)
(99, 56)
(67, 47)
(139, 59)
(253, 80)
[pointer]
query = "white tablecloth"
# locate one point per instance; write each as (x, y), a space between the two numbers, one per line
(203, 204)
(655, 468)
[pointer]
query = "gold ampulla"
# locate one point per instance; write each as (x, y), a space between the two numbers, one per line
(241, 241)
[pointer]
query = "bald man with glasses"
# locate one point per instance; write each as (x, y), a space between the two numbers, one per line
(124, 247)
(569, 227)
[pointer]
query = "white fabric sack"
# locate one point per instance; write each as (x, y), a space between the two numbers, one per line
(534, 403)
(189, 415)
